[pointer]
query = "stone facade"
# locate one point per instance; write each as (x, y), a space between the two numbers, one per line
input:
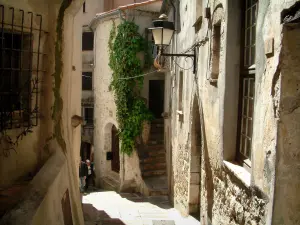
(129, 176)
(229, 193)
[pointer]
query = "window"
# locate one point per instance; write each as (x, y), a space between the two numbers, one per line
(198, 21)
(87, 81)
(216, 51)
(83, 7)
(20, 56)
(87, 41)
(247, 82)
(89, 116)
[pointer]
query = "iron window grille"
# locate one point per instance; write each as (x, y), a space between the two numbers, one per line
(247, 82)
(20, 67)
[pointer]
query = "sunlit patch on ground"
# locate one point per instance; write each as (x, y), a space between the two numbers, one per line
(109, 207)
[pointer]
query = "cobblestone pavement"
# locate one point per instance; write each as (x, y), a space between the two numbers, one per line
(111, 208)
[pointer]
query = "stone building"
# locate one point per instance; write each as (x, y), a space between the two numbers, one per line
(89, 10)
(232, 135)
(40, 112)
(114, 170)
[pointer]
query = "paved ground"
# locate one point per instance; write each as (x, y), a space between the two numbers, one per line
(111, 208)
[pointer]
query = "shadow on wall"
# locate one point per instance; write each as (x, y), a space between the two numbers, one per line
(208, 182)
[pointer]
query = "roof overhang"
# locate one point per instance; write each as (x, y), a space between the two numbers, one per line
(152, 6)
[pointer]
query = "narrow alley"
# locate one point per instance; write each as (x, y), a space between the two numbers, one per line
(111, 208)
(149, 112)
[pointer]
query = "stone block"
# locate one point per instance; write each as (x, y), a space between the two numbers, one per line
(194, 194)
(195, 164)
(195, 178)
(269, 47)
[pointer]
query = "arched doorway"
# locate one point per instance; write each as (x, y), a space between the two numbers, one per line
(115, 162)
(195, 162)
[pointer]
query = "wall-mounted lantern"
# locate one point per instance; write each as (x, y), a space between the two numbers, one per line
(163, 32)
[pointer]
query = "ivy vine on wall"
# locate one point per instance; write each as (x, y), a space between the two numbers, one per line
(124, 44)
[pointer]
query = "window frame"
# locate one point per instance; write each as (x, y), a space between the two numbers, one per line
(246, 72)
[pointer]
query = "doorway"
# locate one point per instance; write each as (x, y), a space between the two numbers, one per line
(85, 151)
(156, 97)
(115, 162)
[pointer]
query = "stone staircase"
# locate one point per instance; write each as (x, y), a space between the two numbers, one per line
(152, 157)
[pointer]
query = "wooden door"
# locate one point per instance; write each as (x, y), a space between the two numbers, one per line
(115, 162)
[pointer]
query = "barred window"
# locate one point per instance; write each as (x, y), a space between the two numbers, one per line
(20, 69)
(87, 81)
(247, 82)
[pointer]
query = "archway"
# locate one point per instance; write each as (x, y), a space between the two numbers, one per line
(195, 162)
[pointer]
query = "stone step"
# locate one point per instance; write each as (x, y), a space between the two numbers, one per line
(152, 154)
(153, 166)
(109, 184)
(161, 192)
(159, 136)
(157, 121)
(156, 147)
(157, 130)
(153, 173)
(153, 142)
(154, 159)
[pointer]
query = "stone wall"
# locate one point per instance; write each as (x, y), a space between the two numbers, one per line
(59, 101)
(105, 108)
(229, 193)
(25, 159)
(234, 203)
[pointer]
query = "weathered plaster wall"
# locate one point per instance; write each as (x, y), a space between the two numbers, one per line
(229, 193)
(286, 196)
(104, 106)
(50, 210)
(27, 157)
(92, 7)
(105, 109)
(59, 101)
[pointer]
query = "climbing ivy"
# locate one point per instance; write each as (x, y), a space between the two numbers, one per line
(124, 44)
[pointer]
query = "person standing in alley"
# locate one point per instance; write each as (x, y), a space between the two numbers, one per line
(89, 179)
(83, 173)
